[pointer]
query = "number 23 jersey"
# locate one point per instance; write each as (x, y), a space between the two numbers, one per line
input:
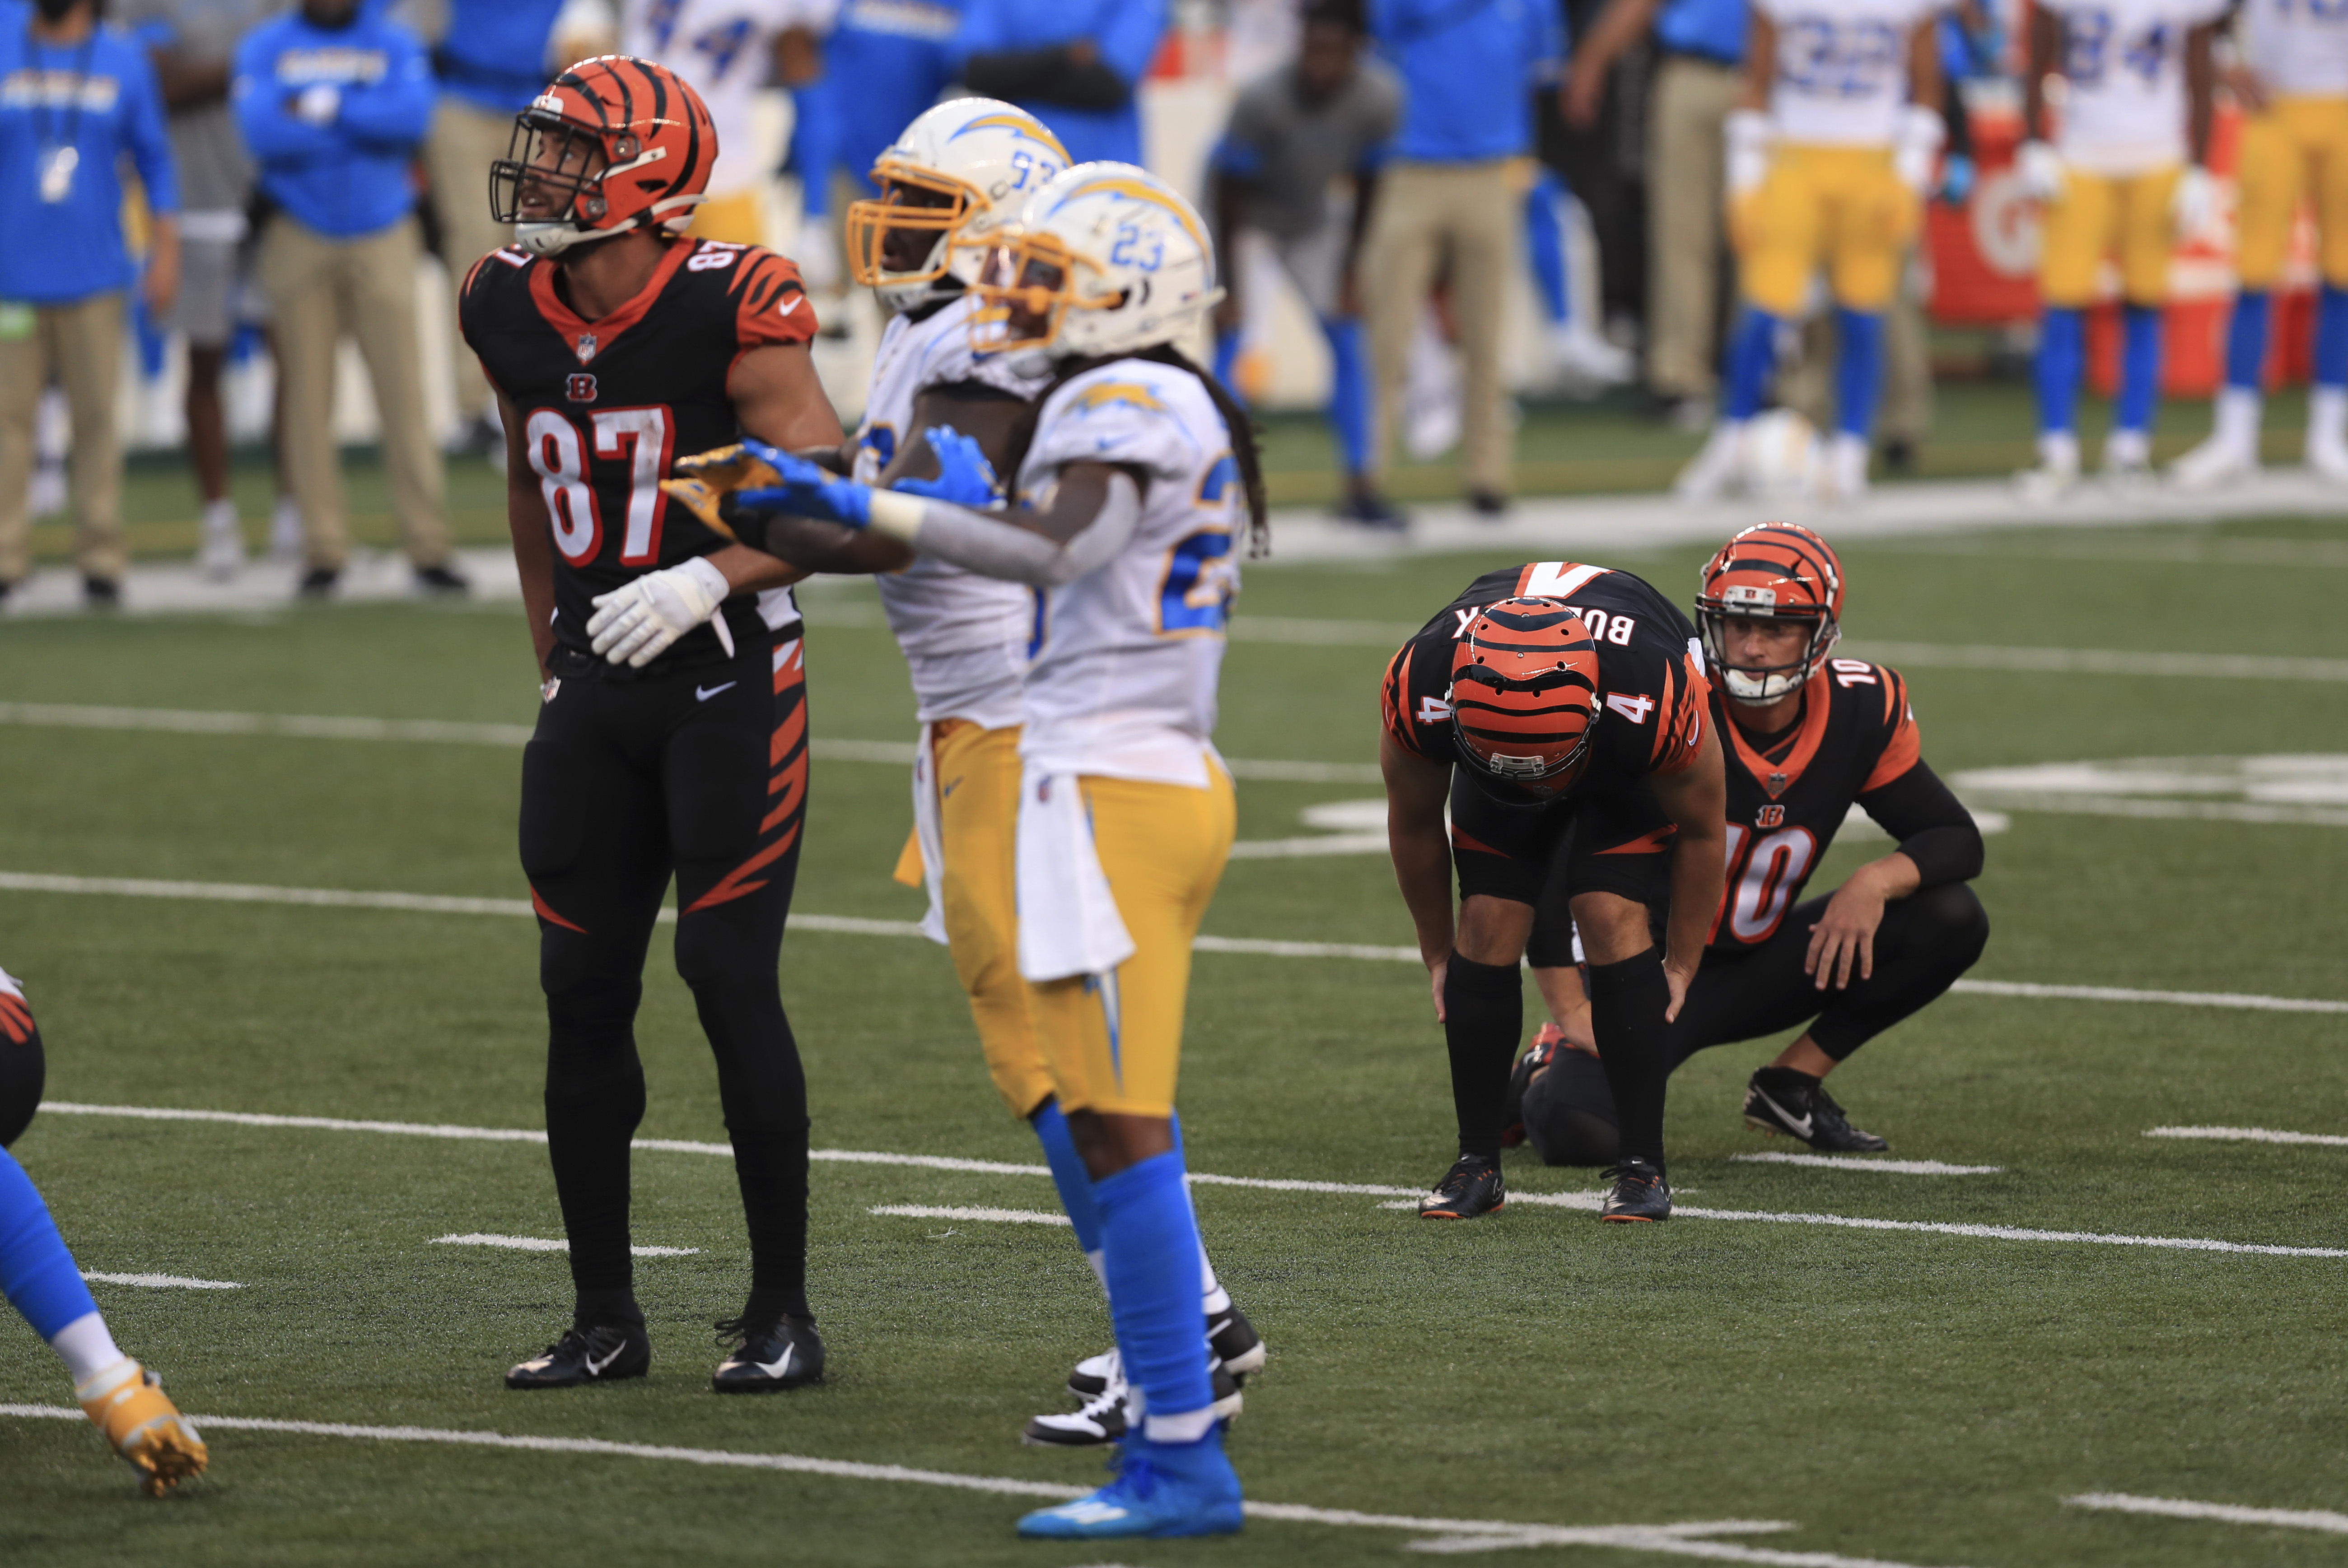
(1123, 680)
(607, 407)
(1651, 684)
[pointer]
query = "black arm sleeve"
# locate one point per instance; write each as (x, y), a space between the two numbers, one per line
(1046, 75)
(1932, 825)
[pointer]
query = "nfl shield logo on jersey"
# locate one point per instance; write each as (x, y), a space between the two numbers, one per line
(586, 347)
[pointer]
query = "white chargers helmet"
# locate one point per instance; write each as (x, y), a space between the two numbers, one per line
(949, 180)
(1105, 259)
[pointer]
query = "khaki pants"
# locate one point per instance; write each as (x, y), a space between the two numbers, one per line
(1471, 215)
(464, 142)
(1686, 197)
(320, 289)
(81, 343)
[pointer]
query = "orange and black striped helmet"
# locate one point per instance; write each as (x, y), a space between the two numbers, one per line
(1771, 571)
(613, 144)
(1524, 691)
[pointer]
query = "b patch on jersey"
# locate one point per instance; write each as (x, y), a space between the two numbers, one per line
(1770, 816)
(579, 387)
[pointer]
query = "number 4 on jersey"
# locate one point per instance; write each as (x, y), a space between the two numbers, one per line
(1634, 709)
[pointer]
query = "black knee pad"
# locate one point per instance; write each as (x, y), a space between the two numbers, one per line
(711, 952)
(1955, 923)
(567, 960)
(24, 1068)
(1570, 1113)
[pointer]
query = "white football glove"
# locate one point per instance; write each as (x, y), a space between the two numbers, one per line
(1746, 138)
(318, 103)
(2194, 203)
(636, 625)
(1916, 149)
(2040, 168)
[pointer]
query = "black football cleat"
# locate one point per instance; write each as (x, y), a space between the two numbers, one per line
(1782, 1099)
(1639, 1194)
(780, 1352)
(603, 1353)
(1233, 1342)
(1472, 1187)
(1539, 1054)
(1102, 1419)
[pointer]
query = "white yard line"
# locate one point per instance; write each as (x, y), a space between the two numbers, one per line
(2249, 1135)
(1678, 1540)
(1582, 1200)
(952, 1211)
(1867, 1163)
(160, 1281)
(541, 1243)
(849, 925)
(2319, 1518)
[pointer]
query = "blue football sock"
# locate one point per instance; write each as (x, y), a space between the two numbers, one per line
(1068, 1174)
(37, 1273)
(2061, 354)
(2246, 339)
(1545, 245)
(2139, 368)
(1349, 391)
(1151, 1246)
(2331, 337)
(1859, 372)
(1752, 354)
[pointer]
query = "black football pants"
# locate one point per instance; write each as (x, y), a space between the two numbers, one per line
(702, 775)
(1925, 943)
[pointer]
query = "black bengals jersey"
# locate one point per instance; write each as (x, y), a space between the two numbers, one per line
(609, 405)
(1651, 683)
(1788, 793)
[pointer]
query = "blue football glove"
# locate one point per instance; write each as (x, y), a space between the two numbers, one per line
(807, 490)
(964, 475)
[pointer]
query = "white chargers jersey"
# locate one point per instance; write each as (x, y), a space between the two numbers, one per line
(2124, 61)
(1123, 683)
(2299, 50)
(725, 50)
(965, 637)
(1842, 68)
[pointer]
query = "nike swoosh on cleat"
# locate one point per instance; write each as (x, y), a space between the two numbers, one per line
(779, 1369)
(595, 1368)
(706, 692)
(1799, 1128)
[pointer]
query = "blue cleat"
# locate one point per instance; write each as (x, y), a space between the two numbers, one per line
(1160, 1490)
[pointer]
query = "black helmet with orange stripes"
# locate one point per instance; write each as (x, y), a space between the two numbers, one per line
(614, 143)
(1524, 693)
(1771, 571)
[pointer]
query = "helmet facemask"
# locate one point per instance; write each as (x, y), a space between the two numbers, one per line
(883, 235)
(1760, 685)
(550, 184)
(1026, 288)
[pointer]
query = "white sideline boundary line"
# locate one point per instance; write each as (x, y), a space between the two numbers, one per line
(541, 1243)
(857, 925)
(2225, 1513)
(1682, 1540)
(1588, 1201)
(1888, 1167)
(158, 1281)
(2249, 1135)
(992, 1216)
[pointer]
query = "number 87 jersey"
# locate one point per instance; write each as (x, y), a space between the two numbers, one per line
(608, 405)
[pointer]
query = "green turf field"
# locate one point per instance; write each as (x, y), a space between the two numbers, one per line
(1900, 1396)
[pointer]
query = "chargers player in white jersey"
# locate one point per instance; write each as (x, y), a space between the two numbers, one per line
(1828, 157)
(2123, 181)
(728, 50)
(2291, 78)
(951, 177)
(1127, 493)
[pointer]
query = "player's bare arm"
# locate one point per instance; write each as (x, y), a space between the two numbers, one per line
(1617, 28)
(1696, 800)
(1760, 64)
(2045, 47)
(2202, 88)
(1844, 940)
(1924, 64)
(1421, 850)
(533, 546)
(780, 400)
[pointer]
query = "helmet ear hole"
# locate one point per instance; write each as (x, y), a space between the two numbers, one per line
(626, 148)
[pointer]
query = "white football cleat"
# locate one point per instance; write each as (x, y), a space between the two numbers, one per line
(2128, 458)
(1845, 468)
(2218, 461)
(1718, 469)
(2057, 473)
(2328, 460)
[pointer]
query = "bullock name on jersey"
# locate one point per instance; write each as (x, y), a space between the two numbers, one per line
(608, 405)
(1650, 681)
(1787, 793)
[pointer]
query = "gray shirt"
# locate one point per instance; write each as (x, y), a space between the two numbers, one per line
(1290, 152)
(215, 170)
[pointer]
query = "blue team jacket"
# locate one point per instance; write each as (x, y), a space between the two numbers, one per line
(347, 178)
(102, 98)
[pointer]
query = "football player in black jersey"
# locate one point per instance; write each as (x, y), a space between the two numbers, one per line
(1560, 709)
(671, 733)
(1808, 735)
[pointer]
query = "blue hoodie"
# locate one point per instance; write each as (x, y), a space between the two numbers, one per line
(346, 179)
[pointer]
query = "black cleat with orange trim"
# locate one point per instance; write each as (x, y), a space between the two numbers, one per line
(1639, 1194)
(1472, 1187)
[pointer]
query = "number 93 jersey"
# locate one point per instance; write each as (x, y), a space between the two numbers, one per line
(1843, 69)
(1123, 681)
(608, 405)
(724, 48)
(2124, 62)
